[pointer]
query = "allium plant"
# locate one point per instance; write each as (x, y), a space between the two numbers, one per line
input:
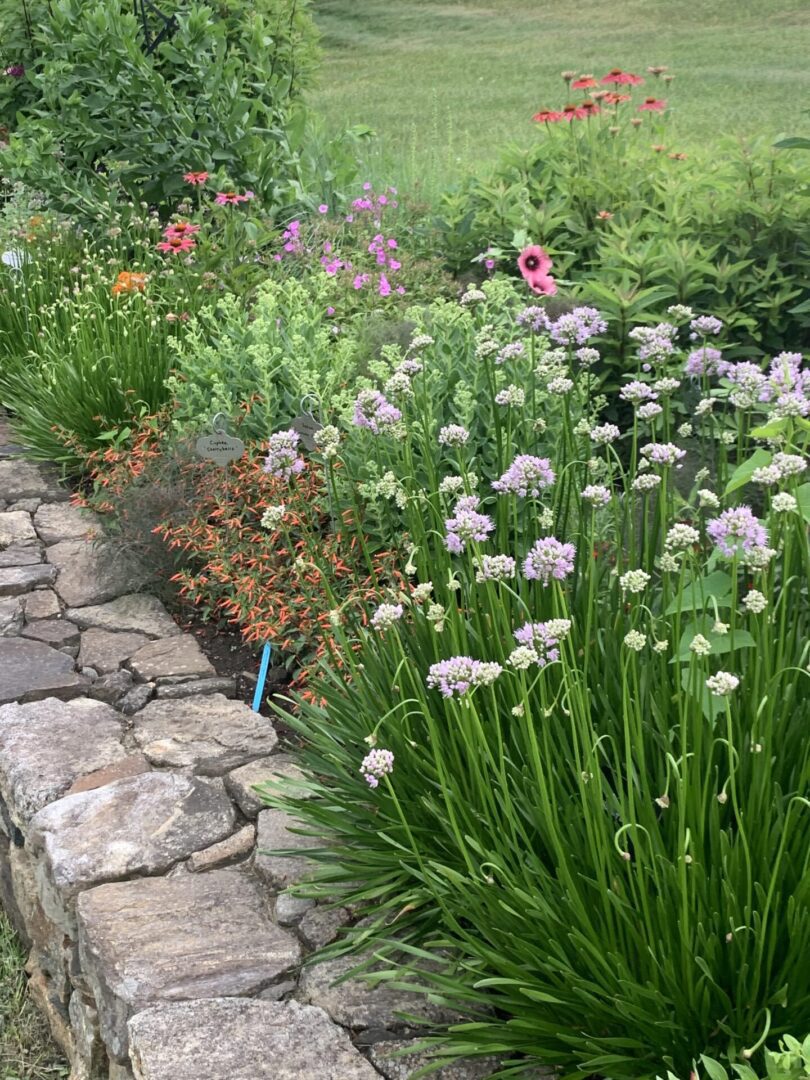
(597, 700)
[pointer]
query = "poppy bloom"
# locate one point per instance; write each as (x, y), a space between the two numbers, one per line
(180, 228)
(230, 198)
(128, 283)
(547, 116)
(652, 104)
(177, 244)
(195, 177)
(584, 82)
(622, 78)
(534, 265)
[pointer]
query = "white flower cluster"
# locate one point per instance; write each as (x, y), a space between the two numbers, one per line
(722, 684)
(755, 601)
(635, 640)
(634, 581)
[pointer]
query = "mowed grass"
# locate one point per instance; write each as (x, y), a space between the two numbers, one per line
(447, 83)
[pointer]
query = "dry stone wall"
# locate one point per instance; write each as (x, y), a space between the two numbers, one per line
(163, 941)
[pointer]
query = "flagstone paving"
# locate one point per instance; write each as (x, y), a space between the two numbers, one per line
(161, 931)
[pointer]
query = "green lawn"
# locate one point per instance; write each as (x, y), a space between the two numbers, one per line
(445, 83)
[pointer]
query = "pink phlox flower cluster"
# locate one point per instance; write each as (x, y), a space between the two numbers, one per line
(374, 411)
(377, 764)
(737, 530)
(282, 459)
(549, 558)
(526, 476)
(460, 674)
(371, 203)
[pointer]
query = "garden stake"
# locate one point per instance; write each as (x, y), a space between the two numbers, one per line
(265, 664)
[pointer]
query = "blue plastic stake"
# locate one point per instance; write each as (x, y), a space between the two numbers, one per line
(257, 697)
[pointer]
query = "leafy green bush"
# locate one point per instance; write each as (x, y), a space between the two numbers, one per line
(220, 93)
(592, 691)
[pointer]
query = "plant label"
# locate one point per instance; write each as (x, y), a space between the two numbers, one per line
(221, 449)
(307, 427)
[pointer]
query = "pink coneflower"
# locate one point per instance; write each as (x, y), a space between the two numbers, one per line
(195, 177)
(652, 104)
(604, 215)
(179, 229)
(534, 265)
(584, 82)
(622, 78)
(612, 97)
(177, 244)
(576, 112)
(547, 116)
(231, 198)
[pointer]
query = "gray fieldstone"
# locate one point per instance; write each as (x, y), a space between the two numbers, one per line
(30, 506)
(288, 909)
(273, 833)
(196, 688)
(173, 656)
(179, 938)
(88, 573)
(88, 1050)
(11, 616)
(31, 670)
(138, 825)
(384, 1059)
(20, 555)
(242, 1040)
(133, 612)
(322, 925)
(61, 521)
(358, 1005)
(58, 633)
(21, 479)
(16, 528)
(211, 735)
(242, 781)
(225, 853)
(106, 650)
(41, 604)
(135, 699)
(132, 765)
(111, 688)
(15, 580)
(48, 745)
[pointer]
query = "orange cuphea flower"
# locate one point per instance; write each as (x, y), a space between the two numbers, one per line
(128, 283)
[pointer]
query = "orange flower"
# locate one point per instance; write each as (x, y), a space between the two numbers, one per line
(128, 282)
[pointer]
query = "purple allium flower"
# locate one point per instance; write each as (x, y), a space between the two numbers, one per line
(372, 410)
(510, 352)
(467, 525)
(549, 559)
(604, 434)
(705, 361)
(596, 495)
(705, 326)
(377, 764)
(737, 530)
(662, 453)
(587, 357)
(460, 674)
(386, 615)
(453, 435)
(543, 638)
(577, 327)
(655, 343)
(535, 318)
(495, 568)
(526, 476)
(282, 459)
(748, 383)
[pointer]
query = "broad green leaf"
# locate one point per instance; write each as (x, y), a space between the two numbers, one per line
(767, 431)
(803, 499)
(696, 596)
(713, 1068)
(744, 471)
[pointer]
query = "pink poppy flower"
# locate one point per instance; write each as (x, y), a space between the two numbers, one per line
(622, 78)
(534, 265)
(652, 104)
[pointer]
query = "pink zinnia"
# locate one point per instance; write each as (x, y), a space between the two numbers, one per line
(178, 244)
(534, 265)
(652, 104)
(622, 78)
(195, 177)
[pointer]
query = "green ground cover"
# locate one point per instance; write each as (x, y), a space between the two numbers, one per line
(446, 83)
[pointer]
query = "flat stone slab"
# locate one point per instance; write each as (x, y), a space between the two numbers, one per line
(133, 765)
(383, 1056)
(198, 687)
(242, 1040)
(226, 852)
(31, 670)
(139, 825)
(358, 1005)
(61, 521)
(176, 939)
(88, 572)
(179, 655)
(41, 604)
(273, 832)
(269, 773)
(11, 616)
(106, 650)
(135, 611)
(16, 528)
(15, 580)
(212, 735)
(23, 480)
(21, 555)
(48, 745)
(58, 633)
